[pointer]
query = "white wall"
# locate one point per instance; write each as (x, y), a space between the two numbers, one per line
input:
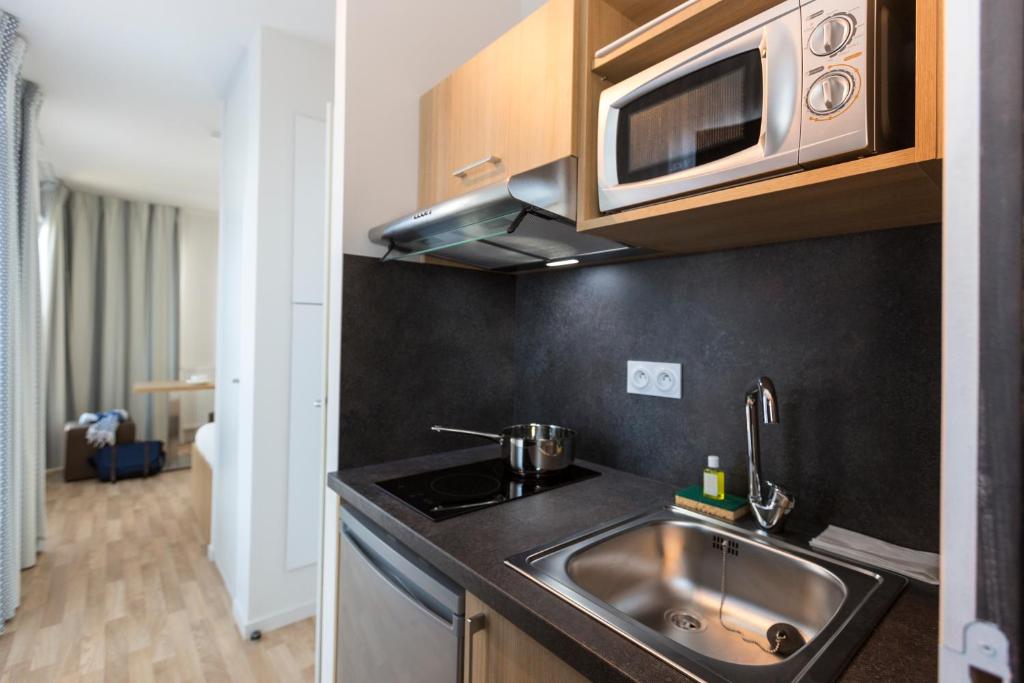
(197, 345)
(231, 523)
(396, 51)
(296, 80)
(283, 77)
(529, 6)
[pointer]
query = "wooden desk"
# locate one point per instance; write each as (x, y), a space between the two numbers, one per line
(175, 458)
(168, 386)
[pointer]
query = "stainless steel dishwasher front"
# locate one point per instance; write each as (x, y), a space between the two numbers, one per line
(401, 619)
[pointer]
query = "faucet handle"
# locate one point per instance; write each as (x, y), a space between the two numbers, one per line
(781, 498)
(771, 514)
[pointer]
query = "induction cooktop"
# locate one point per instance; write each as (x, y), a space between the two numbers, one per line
(453, 491)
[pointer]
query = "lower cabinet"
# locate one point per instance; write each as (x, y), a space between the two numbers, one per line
(498, 652)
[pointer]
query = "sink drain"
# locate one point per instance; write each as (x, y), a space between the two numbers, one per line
(684, 620)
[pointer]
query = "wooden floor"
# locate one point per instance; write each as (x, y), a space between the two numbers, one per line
(124, 592)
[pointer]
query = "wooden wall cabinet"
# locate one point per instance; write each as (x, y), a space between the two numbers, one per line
(531, 97)
(895, 189)
(514, 103)
(502, 652)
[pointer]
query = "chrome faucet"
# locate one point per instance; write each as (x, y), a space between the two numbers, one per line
(771, 509)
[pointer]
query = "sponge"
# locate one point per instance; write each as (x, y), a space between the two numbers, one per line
(730, 509)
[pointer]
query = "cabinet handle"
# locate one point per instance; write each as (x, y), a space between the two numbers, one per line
(489, 159)
(318, 403)
(474, 625)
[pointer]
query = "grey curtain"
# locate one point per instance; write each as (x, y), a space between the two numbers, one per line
(111, 298)
(22, 481)
(53, 255)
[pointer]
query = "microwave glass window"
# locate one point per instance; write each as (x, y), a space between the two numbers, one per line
(698, 118)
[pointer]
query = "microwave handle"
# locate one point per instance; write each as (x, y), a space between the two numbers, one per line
(765, 94)
(781, 73)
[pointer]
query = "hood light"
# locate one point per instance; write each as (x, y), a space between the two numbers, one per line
(563, 262)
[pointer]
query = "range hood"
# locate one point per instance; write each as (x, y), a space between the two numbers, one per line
(521, 223)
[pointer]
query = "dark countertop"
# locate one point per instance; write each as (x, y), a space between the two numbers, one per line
(471, 550)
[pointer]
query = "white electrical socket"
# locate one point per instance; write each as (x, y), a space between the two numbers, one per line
(654, 379)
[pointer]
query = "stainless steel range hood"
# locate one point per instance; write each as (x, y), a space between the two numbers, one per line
(519, 224)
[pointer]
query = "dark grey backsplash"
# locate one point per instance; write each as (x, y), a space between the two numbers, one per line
(849, 329)
(421, 345)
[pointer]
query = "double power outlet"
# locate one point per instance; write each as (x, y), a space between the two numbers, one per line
(654, 379)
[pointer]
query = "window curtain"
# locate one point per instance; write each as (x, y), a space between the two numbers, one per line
(111, 297)
(22, 480)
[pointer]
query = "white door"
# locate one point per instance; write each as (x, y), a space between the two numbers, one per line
(308, 213)
(305, 439)
(306, 414)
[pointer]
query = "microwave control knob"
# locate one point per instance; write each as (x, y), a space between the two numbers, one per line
(830, 93)
(832, 34)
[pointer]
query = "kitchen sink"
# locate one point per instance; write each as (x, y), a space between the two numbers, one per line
(659, 579)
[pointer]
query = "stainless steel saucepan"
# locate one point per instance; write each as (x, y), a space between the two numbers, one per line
(531, 450)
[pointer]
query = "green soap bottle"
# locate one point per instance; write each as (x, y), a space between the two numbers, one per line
(714, 480)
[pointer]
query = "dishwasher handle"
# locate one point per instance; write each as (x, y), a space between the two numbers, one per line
(474, 625)
(395, 582)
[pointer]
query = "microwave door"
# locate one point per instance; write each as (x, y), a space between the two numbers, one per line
(717, 113)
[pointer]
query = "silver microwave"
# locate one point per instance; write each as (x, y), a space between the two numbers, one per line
(804, 83)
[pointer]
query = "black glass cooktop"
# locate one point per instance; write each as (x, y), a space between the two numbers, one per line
(457, 490)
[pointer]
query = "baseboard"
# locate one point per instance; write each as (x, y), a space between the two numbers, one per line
(272, 621)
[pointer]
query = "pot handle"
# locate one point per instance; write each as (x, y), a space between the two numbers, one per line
(468, 432)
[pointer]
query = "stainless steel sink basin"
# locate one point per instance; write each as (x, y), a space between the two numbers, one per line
(658, 579)
(667, 574)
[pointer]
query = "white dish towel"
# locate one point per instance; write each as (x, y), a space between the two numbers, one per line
(916, 564)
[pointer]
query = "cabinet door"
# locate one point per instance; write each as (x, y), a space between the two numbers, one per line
(436, 126)
(308, 210)
(305, 436)
(507, 110)
(501, 652)
(478, 117)
(386, 634)
(540, 93)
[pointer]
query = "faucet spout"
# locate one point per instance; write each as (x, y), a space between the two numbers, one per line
(770, 503)
(769, 403)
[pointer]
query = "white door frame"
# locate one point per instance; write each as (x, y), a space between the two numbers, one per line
(960, 274)
(327, 615)
(973, 59)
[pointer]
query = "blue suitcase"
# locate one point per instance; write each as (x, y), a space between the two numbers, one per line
(122, 461)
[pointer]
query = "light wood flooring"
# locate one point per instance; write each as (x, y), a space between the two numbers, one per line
(123, 592)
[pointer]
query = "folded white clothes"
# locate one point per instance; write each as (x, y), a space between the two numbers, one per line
(916, 564)
(103, 426)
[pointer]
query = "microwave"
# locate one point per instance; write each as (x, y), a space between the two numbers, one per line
(802, 84)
